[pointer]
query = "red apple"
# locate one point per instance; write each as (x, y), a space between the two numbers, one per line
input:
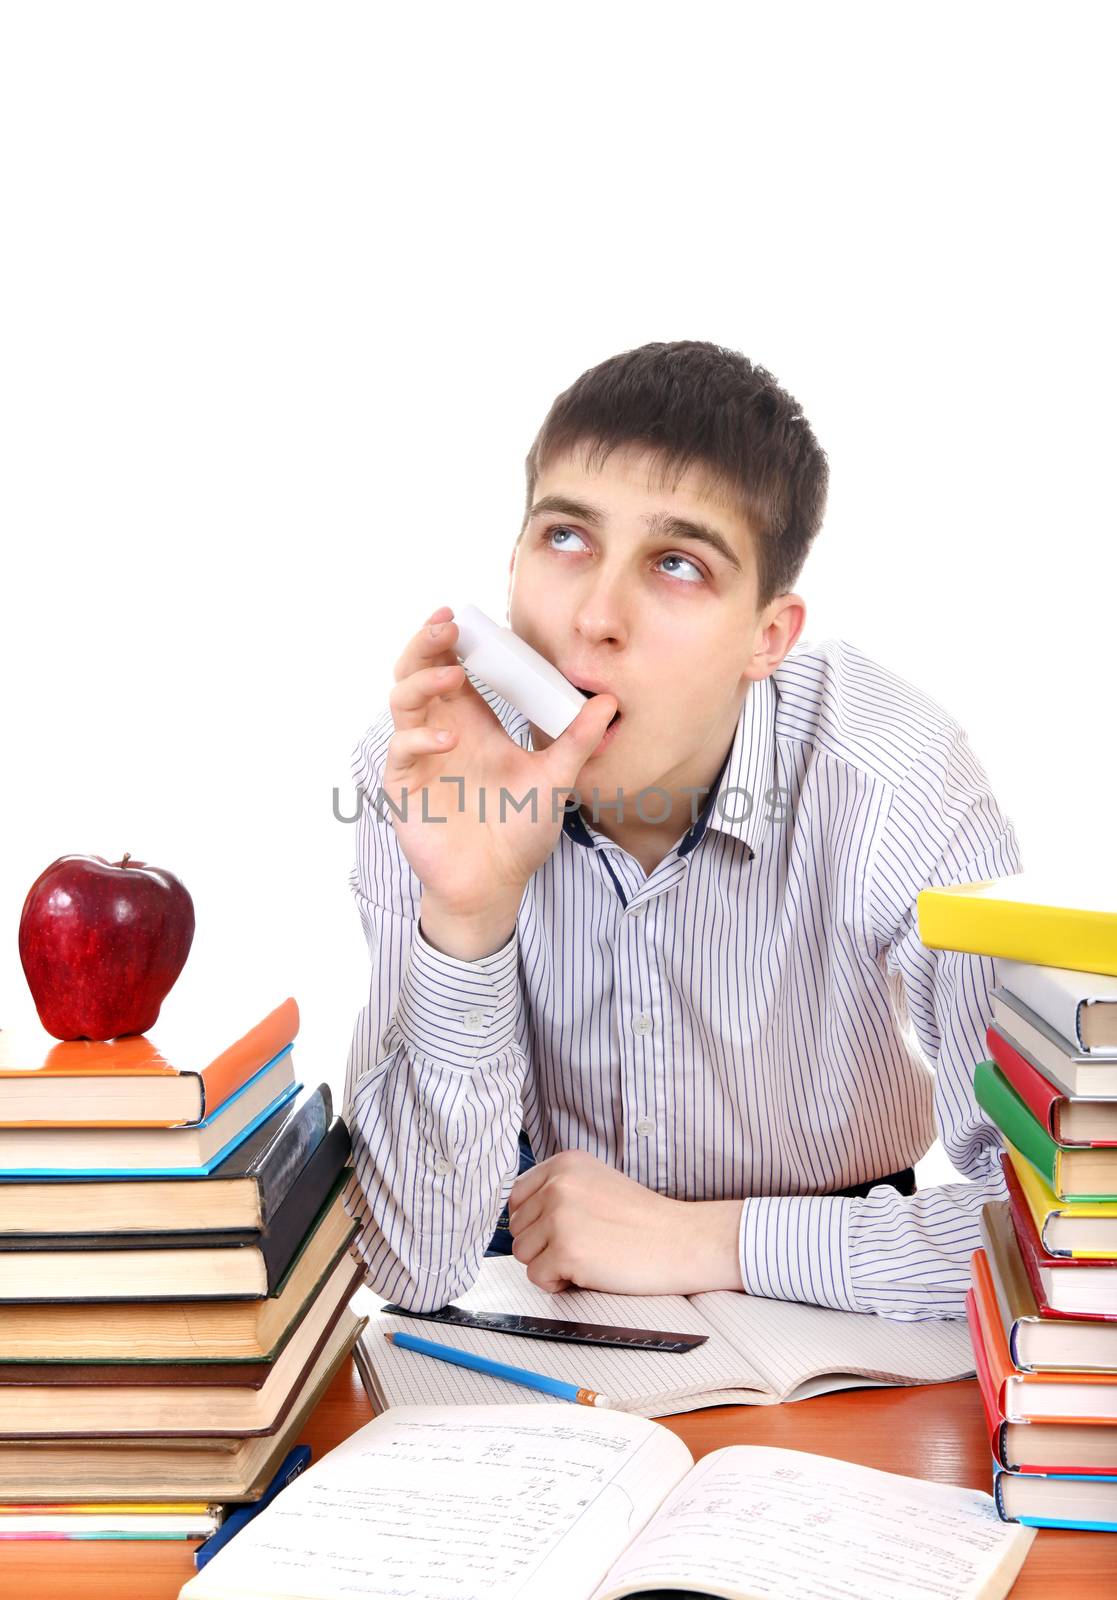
(102, 943)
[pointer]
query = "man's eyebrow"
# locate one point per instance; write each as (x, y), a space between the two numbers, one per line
(659, 525)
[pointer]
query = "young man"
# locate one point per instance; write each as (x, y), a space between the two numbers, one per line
(699, 987)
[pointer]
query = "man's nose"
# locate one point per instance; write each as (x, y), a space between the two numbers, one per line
(601, 616)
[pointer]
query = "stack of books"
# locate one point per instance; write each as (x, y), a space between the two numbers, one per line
(1042, 1307)
(175, 1276)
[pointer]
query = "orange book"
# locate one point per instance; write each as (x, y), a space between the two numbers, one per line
(136, 1081)
(1070, 1396)
(1041, 1447)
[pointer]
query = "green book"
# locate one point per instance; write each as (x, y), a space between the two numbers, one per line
(1073, 1173)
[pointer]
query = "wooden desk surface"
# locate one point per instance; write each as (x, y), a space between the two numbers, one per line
(935, 1432)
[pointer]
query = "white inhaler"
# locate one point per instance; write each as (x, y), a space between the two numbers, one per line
(504, 661)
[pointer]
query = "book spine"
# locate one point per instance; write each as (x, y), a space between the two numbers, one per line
(1001, 1102)
(214, 1115)
(994, 1421)
(1015, 1120)
(1033, 1254)
(1058, 1522)
(261, 1044)
(1015, 1300)
(1046, 936)
(293, 1219)
(1027, 1224)
(990, 1330)
(284, 1159)
(1038, 1094)
(998, 1497)
(1030, 1260)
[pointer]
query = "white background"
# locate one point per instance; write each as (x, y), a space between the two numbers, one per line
(289, 289)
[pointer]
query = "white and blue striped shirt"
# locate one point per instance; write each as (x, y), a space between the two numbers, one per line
(747, 1021)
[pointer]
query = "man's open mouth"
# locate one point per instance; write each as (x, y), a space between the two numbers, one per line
(589, 694)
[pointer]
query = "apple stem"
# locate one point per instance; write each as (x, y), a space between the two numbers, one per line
(127, 857)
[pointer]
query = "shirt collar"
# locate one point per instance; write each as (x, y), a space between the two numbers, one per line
(741, 795)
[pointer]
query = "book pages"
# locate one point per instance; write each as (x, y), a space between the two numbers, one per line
(498, 1504)
(768, 1524)
(798, 1349)
(758, 1351)
(645, 1382)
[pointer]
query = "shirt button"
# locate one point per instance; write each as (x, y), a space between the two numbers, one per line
(645, 1125)
(642, 1023)
(474, 1021)
(441, 1165)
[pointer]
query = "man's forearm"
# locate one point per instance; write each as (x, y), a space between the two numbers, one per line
(904, 1256)
(434, 1119)
(431, 1148)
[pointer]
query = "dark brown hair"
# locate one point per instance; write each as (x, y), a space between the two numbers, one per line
(692, 403)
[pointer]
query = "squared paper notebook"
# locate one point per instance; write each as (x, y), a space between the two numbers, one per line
(758, 1352)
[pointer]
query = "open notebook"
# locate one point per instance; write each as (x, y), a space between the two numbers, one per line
(534, 1503)
(758, 1352)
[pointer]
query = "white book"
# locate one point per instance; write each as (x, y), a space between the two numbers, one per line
(543, 1503)
(1080, 1006)
(758, 1352)
(1079, 1074)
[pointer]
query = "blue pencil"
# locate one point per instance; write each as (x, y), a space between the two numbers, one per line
(497, 1369)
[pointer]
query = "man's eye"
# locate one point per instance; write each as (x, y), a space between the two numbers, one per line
(686, 563)
(552, 531)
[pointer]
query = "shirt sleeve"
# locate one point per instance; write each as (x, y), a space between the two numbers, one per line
(908, 1257)
(434, 1078)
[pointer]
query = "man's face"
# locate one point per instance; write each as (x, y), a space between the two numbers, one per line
(660, 617)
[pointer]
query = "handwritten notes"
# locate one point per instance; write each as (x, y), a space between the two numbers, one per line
(455, 1504)
(545, 1503)
(781, 1524)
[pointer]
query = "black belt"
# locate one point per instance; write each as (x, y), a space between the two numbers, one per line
(903, 1181)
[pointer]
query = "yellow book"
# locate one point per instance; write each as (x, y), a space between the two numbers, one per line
(1058, 1223)
(170, 1508)
(1024, 918)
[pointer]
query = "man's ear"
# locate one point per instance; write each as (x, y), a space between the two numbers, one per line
(786, 619)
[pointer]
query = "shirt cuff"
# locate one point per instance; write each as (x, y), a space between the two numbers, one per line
(456, 1013)
(794, 1247)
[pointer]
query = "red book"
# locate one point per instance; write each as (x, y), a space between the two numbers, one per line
(1057, 1292)
(1070, 1120)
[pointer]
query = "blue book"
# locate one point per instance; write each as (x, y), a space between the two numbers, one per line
(1056, 1499)
(190, 1152)
(293, 1464)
